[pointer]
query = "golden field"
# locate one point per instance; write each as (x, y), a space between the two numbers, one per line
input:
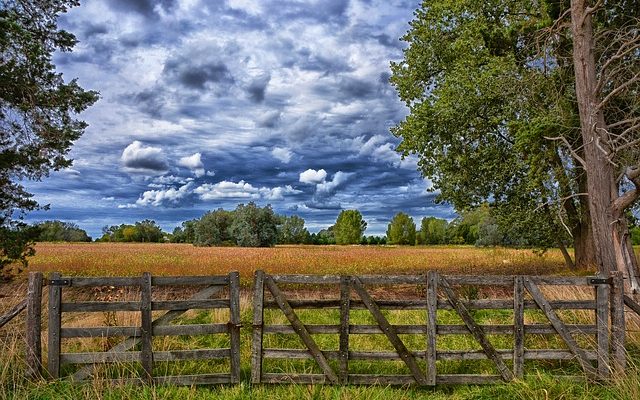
(114, 259)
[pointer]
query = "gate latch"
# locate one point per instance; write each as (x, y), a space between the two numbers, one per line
(600, 281)
(60, 282)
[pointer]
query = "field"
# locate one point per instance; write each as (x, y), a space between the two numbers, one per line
(178, 259)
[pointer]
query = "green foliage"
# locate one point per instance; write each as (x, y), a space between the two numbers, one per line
(432, 231)
(143, 231)
(292, 231)
(37, 108)
(59, 231)
(349, 227)
(213, 228)
(16, 244)
(185, 233)
(253, 226)
(401, 230)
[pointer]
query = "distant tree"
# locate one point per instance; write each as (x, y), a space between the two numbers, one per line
(253, 226)
(349, 227)
(142, 231)
(37, 109)
(185, 233)
(326, 236)
(59, 231)
(433, 231)
(213, 228)
(148, 231)
(401, 230)
(292, 230)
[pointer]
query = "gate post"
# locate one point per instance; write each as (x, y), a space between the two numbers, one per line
(146, 351)
(235, 323)
(33, 356)
(55, 315)
(602, 323)
(258, 314)
(432, 315)
(618, 351)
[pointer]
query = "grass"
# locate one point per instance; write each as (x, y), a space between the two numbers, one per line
(169, 259)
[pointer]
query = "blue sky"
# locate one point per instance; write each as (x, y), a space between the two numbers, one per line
(208, 104)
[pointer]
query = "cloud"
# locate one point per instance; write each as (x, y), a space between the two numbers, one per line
(136, 156)
(194, 163)
(242, 190)
(282, 154)
(312, 176)
(328, 188)
(160, 197)
(257, 88)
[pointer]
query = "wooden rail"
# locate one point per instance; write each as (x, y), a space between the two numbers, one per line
(439, 297)
(149, 328)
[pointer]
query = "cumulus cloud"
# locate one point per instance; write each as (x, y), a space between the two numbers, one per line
(163, 196)
(329, 187)
(242, 190)
(311, 176)
(137, 156)
(282, 154)
(194, 163)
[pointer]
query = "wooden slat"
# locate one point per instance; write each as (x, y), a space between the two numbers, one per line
(305, 379)
(335, 279)
(79, 281)
(518, 327)
(618, 338)
(191, 380)
(131, 342)
(558, 325)
(101, 306)
(234, 324)
(33, 356)
(629, 302)
(189, 329)
(464, 379)
(13, 312)
(476, 330)
(432, 318)
(507, 354)
(602, 321)
(146, 337)
(199, 354)
(256, 342)
(391, 334)
(190, 304)
(208, 280)
(53, 350)
(100, 357)
(386, 380)
(345, 298)
(100, 331)
(301, 330)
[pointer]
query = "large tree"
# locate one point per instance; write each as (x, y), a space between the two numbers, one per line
(37, 110)
(494, 117)
(349, 227)
(401, 230)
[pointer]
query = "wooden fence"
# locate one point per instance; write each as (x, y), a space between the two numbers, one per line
(144, 334)
(438, 299)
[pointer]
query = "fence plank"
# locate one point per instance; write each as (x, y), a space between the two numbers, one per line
(391, 334)
(146, 338)
(629, 302)
(518, 327)
(618, 323)
(432, 320)
(190, 304)
(11, 314)
(33, 357)
(53, 350)
(258, 312)
(602, 320)
(301, 330)
(235, 323)
(345, 299)
(165, 319)
(476, 330)
(558, 325)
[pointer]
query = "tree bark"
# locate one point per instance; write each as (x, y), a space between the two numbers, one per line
(608, 224)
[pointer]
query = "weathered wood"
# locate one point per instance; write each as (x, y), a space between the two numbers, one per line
(101, 306)
(146, 337)
(619, 354)
(100, 331)
(55, 321)
(386, 380)
(391, 334)
(118, 281)
(602, 321)
(301, 330)
(234, 324)
(33, 356)
(518, 327)
(209, 280)
(476, 330)
(191, 380)
(100, 357)
(190, 304)
(335, 279)
(507, 354)
(629, 302)
(345, 299)
(559, 326)
(190, 329)
(305, 379)
(462, 379)
(256, 342)
(198, 354)
(432, 320)
(11, 314)
(131, 342)
(158, 330)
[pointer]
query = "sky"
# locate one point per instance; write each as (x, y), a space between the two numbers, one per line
(209, 104)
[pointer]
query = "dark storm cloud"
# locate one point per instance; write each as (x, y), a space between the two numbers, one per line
(147, 8)
(197, 76)
(258, 87)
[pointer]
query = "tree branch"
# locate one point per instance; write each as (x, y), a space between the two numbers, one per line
(617, 90)
(573, 152)
(624, 201)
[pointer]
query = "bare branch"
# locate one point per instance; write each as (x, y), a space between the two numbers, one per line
(573, 152)
(617, 90)
(622, 202)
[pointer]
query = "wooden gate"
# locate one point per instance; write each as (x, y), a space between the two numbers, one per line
(525, 307)
(137, 342)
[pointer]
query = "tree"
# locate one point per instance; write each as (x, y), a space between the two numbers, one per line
(254, 226)
(213, 228)
(401, 230)
(185, 233)
(37, 109)
(433, 231)
(292, 230)
(349, 227)
(59, 231)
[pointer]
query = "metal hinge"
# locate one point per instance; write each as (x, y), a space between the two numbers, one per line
(600, 281)
(60, 282)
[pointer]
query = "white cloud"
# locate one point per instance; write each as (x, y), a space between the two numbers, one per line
(338, 180)
(277, 193)
(282, 154)
(158, 197)
(193, 161)
(312, 176)
(242, 190)
(136, 156)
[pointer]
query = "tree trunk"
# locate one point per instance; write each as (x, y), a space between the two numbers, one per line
(585, 255)
(608, 227)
